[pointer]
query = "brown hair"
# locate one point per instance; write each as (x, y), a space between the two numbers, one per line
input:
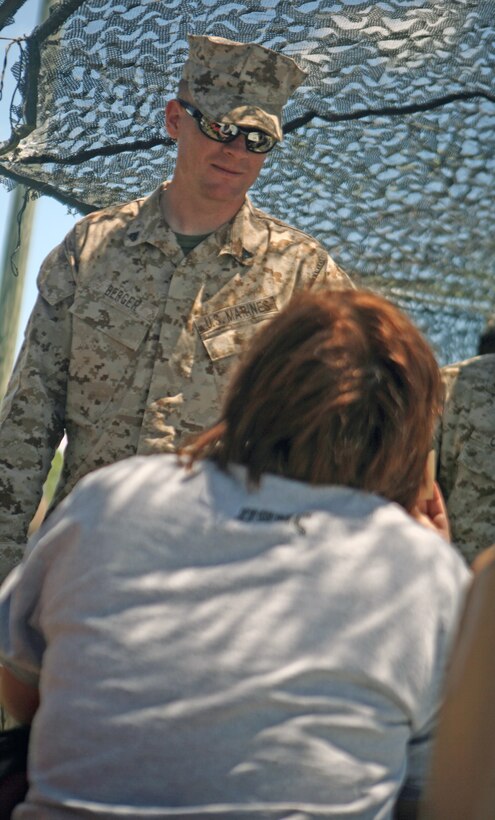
(339, 388)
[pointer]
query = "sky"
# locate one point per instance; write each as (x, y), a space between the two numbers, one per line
(51, 219)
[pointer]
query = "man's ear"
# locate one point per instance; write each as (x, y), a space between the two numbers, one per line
(426, 489)
(172, 117)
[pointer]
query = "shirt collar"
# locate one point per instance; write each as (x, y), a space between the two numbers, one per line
(149, 225)
(240, 237)
(243, 238)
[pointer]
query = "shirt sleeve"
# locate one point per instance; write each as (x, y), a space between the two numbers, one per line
(466, 453)
(21, 644)
(57, 558)
(33, 410)
(332, 275)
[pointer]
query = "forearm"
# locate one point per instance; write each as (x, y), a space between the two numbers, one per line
(19, 699)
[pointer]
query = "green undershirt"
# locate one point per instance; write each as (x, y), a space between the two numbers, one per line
(188, 242)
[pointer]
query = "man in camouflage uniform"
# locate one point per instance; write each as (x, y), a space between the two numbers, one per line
(144, 306)
(466, 453)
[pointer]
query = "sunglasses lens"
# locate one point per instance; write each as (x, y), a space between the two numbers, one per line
(259, 142)
(256, 141)
(219, 131)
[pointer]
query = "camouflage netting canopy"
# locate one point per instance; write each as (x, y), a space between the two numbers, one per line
(389, 156)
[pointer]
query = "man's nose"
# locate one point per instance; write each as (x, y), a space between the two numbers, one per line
(237, 145)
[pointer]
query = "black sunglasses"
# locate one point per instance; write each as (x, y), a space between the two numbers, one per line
(256, 141)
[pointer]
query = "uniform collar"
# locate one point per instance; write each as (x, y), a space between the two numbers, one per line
(240, 237)
(149, 225)
(243, 238)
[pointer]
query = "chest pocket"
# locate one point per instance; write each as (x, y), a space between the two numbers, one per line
(226, 333)
(106, 338)
(231, 342)
(126, 325)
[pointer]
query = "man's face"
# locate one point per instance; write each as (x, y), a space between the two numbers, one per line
(221, 172)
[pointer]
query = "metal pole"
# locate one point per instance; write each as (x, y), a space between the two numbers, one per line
(14, 264)
(13, 273)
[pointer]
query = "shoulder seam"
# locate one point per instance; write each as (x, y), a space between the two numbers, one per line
(263, 215)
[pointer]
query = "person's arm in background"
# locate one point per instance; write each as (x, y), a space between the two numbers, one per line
(462, 777)
(32, 415)
(466, 453)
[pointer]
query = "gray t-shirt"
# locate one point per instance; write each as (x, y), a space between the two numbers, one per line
(208, 651)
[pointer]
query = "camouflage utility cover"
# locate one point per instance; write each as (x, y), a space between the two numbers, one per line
(466, 452)
(241, 83)
(130, 342)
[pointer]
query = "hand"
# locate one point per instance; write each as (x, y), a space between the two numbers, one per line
(432, 513)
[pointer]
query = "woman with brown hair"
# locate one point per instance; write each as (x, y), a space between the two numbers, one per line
(261, 631)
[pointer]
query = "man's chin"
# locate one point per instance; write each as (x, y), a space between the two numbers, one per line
(226, 192)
